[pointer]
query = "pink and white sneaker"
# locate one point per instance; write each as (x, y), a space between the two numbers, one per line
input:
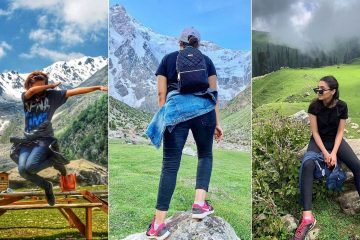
(199, 212)
(160, 233)
(304, 228)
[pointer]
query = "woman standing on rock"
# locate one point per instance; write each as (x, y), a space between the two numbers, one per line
(327, 116)
(35, 151)
(184, 108)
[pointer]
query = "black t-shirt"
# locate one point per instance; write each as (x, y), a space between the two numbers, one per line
(39, 108)
(167, 68)
(328, 119)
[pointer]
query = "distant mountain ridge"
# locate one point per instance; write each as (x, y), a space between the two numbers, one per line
(135, 52)
(70, 73)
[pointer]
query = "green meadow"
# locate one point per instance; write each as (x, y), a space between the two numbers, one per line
(290, 90)
(134, 178)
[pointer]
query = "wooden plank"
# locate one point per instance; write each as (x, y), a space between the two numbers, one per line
(62, 211)
(77, 222)
(88, 225)
(9, 200)
(45, 206)
(94, 199)
(41, 193)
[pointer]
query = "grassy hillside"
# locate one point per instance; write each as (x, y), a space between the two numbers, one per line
(236, 119)
(290, 90)
(134, 172)
(126, 122)
(76, 104)
(86, 136)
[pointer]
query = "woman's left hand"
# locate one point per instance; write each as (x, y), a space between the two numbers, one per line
(218, 133)
(103, 88)
(333, 159)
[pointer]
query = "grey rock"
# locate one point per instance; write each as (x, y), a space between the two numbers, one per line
(350, 202)
(290, 222)
(189, 151)
(183, 227)
(301, 116)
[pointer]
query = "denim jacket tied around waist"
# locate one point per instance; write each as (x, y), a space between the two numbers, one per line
(179, 108)
(334, 178)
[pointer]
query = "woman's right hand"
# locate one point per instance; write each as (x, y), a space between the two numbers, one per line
(218, 133)
(54, 85)
(327, 158)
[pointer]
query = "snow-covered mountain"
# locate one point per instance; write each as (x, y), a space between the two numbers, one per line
(70, 73)
(135, 52)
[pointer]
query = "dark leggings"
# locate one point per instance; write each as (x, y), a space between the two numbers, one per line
(345, 155)
(202, 128)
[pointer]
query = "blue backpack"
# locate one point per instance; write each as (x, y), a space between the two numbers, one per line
(191, 70)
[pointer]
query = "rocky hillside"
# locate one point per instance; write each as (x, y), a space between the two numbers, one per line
(126, 122)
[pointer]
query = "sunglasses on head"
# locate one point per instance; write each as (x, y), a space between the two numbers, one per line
(38, 78)
(320, 90)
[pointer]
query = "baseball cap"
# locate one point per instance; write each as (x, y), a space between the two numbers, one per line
(187, 32)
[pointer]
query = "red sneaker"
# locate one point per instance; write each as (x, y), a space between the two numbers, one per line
(304, 228)
(199, 212)
(159, 234)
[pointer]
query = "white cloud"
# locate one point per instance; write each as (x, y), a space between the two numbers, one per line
(71, 35)
(42, 52)
(35, 4)
(88, 15)
(4, 12)
(43, 21)
(3, 48)
(42, 35)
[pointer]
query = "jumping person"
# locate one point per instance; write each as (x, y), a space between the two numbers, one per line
(40, 102)
(327, 116)
(181, 112)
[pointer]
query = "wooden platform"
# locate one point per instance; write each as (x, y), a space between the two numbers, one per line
(15, 201)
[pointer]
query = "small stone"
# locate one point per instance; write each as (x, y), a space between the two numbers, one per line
(189, 151)
(290, 222)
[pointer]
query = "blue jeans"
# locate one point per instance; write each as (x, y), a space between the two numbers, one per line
(32, 160)
(202, 128)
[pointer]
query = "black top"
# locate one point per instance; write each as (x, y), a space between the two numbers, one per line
(328, 119)
(167, 68)
(42, 107)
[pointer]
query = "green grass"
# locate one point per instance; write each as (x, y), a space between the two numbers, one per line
(49, 223)
(134, 178)
(285, 89)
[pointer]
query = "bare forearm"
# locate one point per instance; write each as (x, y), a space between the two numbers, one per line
(338, 139)
(217, 111)
(319, 142)
(161, 99)
(81, 90)
(35, 90)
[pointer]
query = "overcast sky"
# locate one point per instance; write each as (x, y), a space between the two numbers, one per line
(307, 23)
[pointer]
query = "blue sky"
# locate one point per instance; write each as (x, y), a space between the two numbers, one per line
(35, 34)
(226, 23)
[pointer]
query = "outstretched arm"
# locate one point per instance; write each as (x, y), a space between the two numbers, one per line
(38, 89)
(83, 90)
